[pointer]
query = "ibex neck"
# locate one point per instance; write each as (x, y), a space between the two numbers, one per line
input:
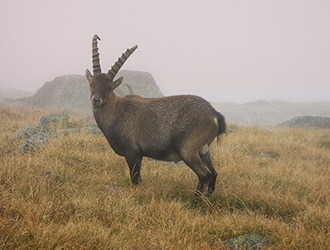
(105, 115)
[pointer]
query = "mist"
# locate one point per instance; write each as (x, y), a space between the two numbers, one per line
(224, 51)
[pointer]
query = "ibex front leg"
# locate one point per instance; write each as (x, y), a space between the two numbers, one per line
(134, 162)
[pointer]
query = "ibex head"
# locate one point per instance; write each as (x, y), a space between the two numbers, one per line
(102, 85)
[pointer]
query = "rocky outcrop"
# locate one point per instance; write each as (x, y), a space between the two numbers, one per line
(63, 91)
(72, 91)
(315, 122)
(34, 143)
(35, 138)
(142, 83)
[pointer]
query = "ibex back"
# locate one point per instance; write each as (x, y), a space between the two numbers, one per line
(171, 128)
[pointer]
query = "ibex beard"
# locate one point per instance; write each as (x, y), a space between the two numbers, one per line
(174, 128)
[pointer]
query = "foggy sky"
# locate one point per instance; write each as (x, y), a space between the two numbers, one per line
(233, 51)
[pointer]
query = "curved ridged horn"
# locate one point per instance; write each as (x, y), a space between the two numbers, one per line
(130, 90)
(120, 62)
(120, 92)
(96, 58)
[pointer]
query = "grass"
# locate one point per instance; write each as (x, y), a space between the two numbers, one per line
(273, 182)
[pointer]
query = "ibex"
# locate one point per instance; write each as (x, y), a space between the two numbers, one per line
(170, 128)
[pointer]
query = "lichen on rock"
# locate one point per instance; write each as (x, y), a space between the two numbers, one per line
(247, 242)
(35, 142)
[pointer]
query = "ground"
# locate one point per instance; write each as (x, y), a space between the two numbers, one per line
(75, 192)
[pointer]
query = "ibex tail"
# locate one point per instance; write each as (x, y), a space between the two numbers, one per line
(222, 129)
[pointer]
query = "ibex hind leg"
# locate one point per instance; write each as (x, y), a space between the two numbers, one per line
(206, 158)
(196, 164)
(134, 162)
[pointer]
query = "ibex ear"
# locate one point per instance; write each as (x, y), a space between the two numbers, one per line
(118, 82)
(89, 76)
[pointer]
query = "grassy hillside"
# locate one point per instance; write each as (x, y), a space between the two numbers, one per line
(76, 193)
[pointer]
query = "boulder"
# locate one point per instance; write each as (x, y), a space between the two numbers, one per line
(72, 91)
(37, 137)
(247, 242)
(316, 122)
(27, 131)
(34, 142)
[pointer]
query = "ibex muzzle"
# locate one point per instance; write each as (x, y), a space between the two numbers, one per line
(170, 128)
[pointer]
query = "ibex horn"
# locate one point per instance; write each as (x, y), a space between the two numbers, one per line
(96, 58)
(130, 90)
(120, 62)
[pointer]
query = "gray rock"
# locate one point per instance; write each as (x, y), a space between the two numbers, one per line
(37, 137)
(247, 242)
(48, 173)
(93, 129)
(55, 119)
(72, 91)
(71, 131)
(142, 83)
(316, 122)
(28, 131)
(34, 142)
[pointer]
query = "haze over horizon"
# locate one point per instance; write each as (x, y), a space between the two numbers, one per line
(224, 51)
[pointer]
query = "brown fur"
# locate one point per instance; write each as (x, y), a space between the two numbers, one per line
(171, 128)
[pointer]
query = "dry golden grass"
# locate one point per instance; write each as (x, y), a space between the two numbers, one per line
(274, 182)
